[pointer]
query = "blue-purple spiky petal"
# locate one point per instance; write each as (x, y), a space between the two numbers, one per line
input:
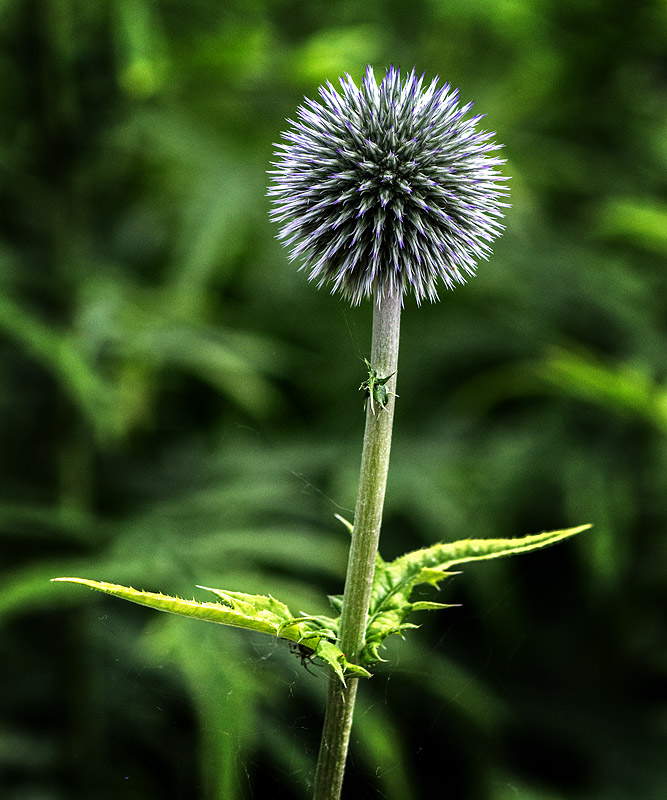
(387, 188)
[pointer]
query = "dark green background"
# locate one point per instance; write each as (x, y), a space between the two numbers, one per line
(178, 406)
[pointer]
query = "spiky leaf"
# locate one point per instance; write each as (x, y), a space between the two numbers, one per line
(394, 581)
(237, 609)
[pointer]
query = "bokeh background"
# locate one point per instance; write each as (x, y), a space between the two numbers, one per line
(178, 406)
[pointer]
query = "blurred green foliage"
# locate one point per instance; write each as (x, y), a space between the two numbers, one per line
(179, 406)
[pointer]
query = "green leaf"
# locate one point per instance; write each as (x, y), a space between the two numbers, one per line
(445, 555)
(394, 581)
(335, 658)
(252, 604)
(624, 388)
(641, 221)
(65, 359)
(390, 604)
(240, 610)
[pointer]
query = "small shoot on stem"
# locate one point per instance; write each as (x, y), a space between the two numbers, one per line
(375, 389)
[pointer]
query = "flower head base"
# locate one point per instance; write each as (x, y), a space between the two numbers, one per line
(387, 188)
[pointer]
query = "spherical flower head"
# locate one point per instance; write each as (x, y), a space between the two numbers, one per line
(387, 188)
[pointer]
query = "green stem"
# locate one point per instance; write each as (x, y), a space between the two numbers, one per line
(363, 551)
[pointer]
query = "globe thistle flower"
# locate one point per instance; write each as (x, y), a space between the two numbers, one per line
(387, 188)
